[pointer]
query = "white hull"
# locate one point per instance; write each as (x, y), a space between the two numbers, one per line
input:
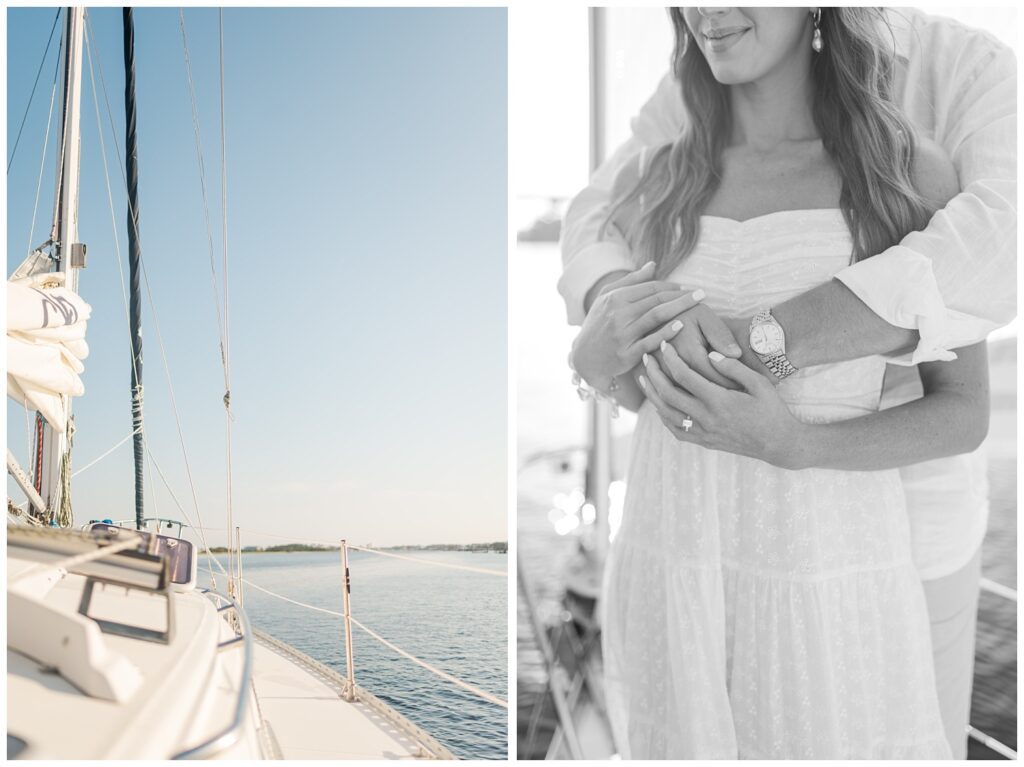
(194, 691)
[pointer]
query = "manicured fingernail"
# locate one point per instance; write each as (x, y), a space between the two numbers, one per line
(664, 346)
(676, 326)
(645, 358)
(643, 382)
(715, 357)
(698, 295)
(648, 264)
(734, 349)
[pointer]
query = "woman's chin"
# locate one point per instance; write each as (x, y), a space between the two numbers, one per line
(729, 74)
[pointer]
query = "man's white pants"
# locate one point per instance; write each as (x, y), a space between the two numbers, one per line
(953, 610)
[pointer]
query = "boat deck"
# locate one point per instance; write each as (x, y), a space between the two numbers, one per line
(303, 701)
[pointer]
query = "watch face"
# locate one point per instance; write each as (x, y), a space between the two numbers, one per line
(766, 339)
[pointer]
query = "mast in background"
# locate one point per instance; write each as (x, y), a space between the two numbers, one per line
(53, 471)
(135, 295)
(599, 457)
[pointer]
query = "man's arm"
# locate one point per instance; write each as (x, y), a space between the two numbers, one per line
(944, 287)
(951, 418)
(832, 322)
(586, 258)
(954, 281)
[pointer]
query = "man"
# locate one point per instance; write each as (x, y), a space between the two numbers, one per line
(945, 287)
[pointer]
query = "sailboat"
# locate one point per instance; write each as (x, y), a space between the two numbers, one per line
(115, 650)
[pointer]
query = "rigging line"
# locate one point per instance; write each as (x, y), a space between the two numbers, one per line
(202, 532)
(224, 203)
(93, 463)
(432, 669)
(419, 560)
(444, 675)
(470, 568)
(33, 93)
(209, 238)
(66, 101)
(152, 486)
(79, 559)
(202, 184)
(226, 341)
(46, 144)
(30, 435)
(999, 589)
(152, 306)
(110, 195)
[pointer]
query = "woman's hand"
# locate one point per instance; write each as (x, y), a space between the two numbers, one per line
(752, 421)
(629, 318)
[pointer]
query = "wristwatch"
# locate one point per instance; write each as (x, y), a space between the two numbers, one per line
(768, 342)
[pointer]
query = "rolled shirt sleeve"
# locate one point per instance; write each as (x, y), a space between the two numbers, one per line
(955, 281)
(586, 255)
(916, 304)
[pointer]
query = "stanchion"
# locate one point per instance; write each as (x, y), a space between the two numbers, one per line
(238, 548)
(346, 588)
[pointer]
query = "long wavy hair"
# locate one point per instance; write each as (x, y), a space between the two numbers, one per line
(862, 130)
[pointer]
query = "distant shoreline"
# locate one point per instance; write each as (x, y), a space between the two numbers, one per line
(497, 547)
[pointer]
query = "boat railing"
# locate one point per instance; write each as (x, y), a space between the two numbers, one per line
(428, 744)
(346, 616)
(231, 734)
(997, 589)
(349, 621)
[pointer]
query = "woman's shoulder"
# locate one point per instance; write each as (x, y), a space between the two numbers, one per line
(933, 174)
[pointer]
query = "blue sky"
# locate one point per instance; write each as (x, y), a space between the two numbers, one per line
(367, 214)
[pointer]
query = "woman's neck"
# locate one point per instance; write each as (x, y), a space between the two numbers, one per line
(773, 110)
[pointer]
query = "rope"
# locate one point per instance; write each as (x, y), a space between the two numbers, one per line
(78, 559)
(432, 669)
(63, 514)
(221, 324)
(59, 192)
(33, 93)
(19, 513)
(454, 680)
(46, 144)
(334, 544)
(202, 184)
(160, 345)
(96, 461)
(470, 568)
(227, 336)
(998, 589)
(990, 742)
(202, 531)
(110, 194)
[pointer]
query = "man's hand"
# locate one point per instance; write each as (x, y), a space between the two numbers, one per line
(704, 331)
(630, 317)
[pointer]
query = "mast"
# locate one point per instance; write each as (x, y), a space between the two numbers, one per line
(599, 460)
(53, 471)
(135, 296)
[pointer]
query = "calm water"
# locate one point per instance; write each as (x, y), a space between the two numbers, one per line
(456, 621)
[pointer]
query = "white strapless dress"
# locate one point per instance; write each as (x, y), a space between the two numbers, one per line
(753, 612)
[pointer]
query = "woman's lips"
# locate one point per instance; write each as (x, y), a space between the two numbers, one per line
(723, 39)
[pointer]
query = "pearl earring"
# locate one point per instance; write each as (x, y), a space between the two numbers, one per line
(816, 41)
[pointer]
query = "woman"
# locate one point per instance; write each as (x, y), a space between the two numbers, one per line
(750, 610)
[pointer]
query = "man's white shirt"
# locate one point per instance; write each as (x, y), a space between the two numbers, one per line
(954, 282)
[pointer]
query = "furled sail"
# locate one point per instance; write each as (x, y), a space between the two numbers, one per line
(45, 344)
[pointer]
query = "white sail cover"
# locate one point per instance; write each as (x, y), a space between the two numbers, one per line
(45, 344)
